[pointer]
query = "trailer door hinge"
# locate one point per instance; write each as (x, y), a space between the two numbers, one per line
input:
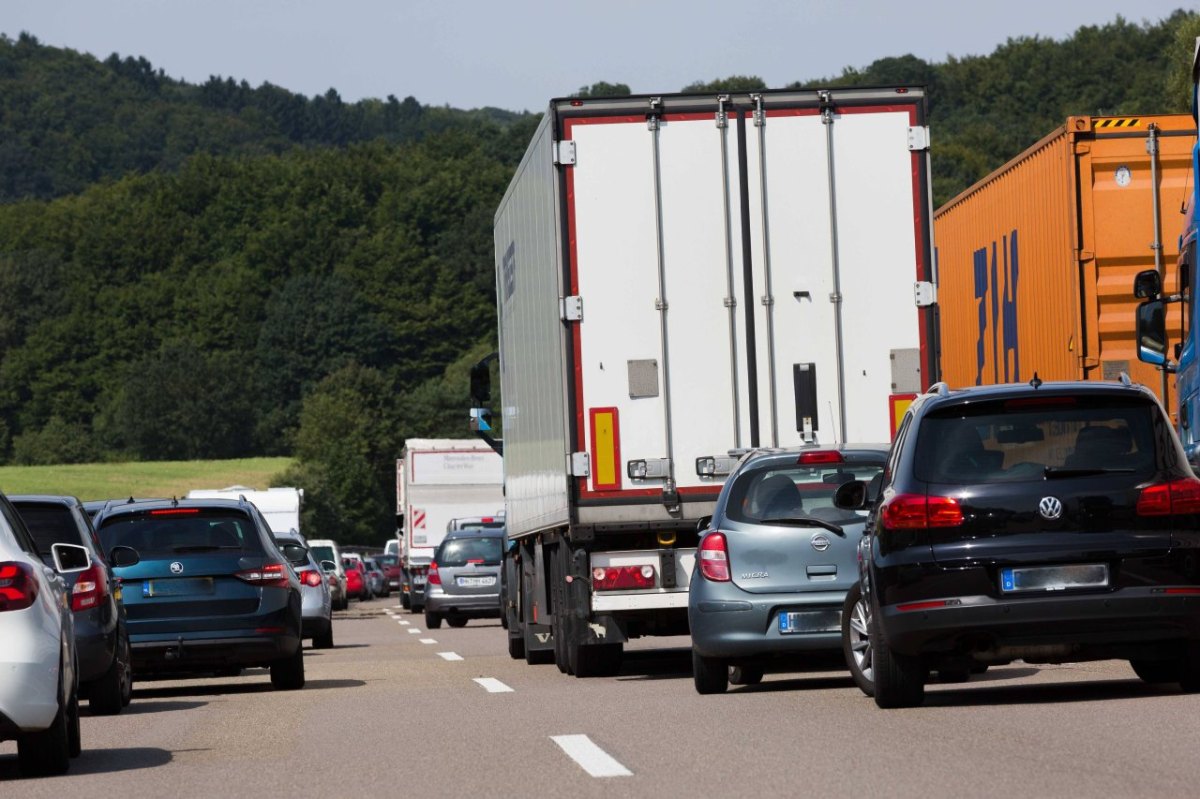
(579, 464)
(924, 293)
(571, 308)
(918, 138)
(564, 153)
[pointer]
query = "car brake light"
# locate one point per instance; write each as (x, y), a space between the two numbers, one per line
(619, 578)
(89, 589)
(271, 575)
(175, 512)
(916, 511)
(18, 587)
(820, 456)
(714, 558)
(433, 578)
(1178, 497)
(310, 578)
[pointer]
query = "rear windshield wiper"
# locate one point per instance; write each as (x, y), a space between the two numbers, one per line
(1052, 472)
(806, 521)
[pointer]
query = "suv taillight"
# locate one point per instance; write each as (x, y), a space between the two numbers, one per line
(433, 578)
(89, 589)
(311, 577)
(271, 575)
(714, 558)
(917, 511)
(1175, 498)
(18, 586)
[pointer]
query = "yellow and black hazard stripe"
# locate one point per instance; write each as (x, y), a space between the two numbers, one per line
(1119, 122)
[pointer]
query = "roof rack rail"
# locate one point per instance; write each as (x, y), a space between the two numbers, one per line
(940, 388)
(1124, 378)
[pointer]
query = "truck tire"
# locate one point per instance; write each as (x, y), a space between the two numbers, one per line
(710, 675)
(598, 660)
(516, 645)
(559, 622)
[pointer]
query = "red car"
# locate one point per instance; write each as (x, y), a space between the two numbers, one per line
(356, 578)
(391, 570)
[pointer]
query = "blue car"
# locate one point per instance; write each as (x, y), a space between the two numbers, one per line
(206, 588)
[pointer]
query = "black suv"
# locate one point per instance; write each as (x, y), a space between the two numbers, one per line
(1048, 522)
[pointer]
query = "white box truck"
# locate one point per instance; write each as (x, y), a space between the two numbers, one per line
(438, 480)
(280, 506)
(681, 278)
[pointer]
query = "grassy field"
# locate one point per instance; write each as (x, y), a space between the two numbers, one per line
(152, 479)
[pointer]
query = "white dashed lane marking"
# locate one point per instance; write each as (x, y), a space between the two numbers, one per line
(591, 758)
(429, 640)
(449, 656)
(493, 686)
(416, 630)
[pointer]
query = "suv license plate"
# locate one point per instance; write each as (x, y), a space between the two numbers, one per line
(810, 621)
(178, 586)
(1054, 578)
(476, 581)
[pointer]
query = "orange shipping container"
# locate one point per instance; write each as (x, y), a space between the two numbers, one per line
(1035, 263)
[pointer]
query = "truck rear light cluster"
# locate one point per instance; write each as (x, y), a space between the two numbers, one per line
(1176, 498)
(714, 558)
(433, 577)
(310, 577)
(917, 511)
(18, 586)
(618, 578)
(271, 575)
(89, 589)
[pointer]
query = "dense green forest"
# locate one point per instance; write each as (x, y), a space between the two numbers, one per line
(219, 270)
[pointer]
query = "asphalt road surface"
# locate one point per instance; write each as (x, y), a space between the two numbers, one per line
(398, 710)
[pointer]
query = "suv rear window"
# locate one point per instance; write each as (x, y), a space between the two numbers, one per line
(783, 491)
(1031, 438)
(182, 530)
(461, 551)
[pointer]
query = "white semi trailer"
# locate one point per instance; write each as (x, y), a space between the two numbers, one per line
(681, 278)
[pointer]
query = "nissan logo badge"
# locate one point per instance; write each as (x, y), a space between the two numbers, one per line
(176, 568)
(820, 542)
(1050, 507)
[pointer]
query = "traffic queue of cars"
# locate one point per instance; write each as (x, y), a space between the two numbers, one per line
(1046, 522)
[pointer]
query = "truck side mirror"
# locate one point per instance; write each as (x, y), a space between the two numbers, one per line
(1152, 333)
(1147, 285)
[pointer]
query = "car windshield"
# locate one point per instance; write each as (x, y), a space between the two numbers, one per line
(783, 492)
(484, 550)
(181, 530)
(49, 524)
(1037, 438)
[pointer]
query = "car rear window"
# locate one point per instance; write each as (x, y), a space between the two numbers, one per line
(324, 553)
(181, 530)
(49, 524)
(389, 561)
(485, 550)
(780, 492)
(1032, 438)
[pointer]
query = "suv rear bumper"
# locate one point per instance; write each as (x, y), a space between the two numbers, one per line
(1073, 627)
(194, 654)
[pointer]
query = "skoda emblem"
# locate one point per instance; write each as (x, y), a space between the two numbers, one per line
(176, 568)
(1050, 508)
(820, 542)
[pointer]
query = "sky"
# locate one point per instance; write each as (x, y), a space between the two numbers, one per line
(518, 54)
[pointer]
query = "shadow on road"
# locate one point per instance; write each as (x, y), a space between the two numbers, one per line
(656, 664)
(1051, 694)
(99, 761)
(222, 689)
(138, 708)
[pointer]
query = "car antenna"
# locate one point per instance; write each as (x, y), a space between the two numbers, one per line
(1036, 382)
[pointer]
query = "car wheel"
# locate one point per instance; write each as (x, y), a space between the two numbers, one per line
(433, 620)
(47, 751)
(287, 674)
(74, 737)
(405, 601)
(899, 679)
(1156, 672)
(325, 639)
(456, 621)
(711, 675)
(1189, 670)
(516, 646)
(856, 643)
(745, 675)
(106, 694)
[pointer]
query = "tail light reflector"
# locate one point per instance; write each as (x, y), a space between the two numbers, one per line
(917, 511)
(89, 588)
(271, 575)
(434, 578)
(1175, 498)
(311, 577)
(618, 578)
(821, 456)
(18, 586)
(714, 558)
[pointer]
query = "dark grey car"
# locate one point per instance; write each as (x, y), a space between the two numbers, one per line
(464, 578)
(773, 569)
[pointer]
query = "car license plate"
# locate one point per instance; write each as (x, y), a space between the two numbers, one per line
(178, 586)
(467, 582)
(419, 579)
(810, 621)
(1053, 578)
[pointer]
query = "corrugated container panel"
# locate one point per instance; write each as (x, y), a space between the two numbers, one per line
(1036, 261)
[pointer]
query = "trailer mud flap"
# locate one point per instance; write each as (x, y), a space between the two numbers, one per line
(604, 630)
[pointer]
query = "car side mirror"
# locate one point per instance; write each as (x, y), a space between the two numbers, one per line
(328, 566)
(703, 523)
(1147, 285)
(851, 495)
(124, 556)
(70, 558)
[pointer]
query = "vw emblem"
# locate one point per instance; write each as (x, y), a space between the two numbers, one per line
(176, 568)
(820, 542)
(1050, 508)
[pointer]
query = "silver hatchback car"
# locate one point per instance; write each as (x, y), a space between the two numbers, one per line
(316, 606)
(464, 578)
(773, 569)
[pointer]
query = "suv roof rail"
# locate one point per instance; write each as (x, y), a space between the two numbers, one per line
(1124, 378)
(940, 388)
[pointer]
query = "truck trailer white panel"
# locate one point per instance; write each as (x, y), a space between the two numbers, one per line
(442, 479)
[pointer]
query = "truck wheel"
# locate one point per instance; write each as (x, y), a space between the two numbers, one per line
(899, 679)
(598, 660)
(433, 620)
(711, 675)
(287, 674)
(516, 646)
